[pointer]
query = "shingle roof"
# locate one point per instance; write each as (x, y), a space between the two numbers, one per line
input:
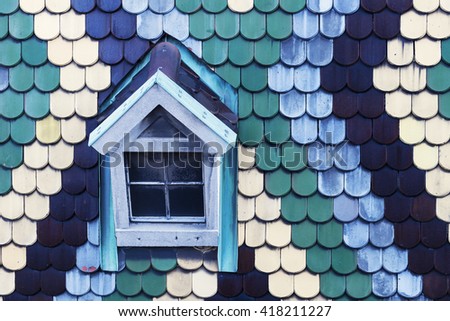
(373, 225)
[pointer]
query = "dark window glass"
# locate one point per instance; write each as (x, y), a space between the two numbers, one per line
(146, 167)
(186, 201)
(148, 200)
(185, 167)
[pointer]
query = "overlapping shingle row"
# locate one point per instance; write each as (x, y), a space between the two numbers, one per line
(343, 131)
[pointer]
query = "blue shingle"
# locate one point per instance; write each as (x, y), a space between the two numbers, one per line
(345, 208)
(332, 130)
(306, 24)
(293, 104)
(83, 6)
(395, 260)
(161, 6)
(88, 257)
(371, 208)
(280, 78)
(409, 284)
(319, 51)
(384, 284)
(347, 156)
(293, 51)
(346, 6)
(134, 6)
(304, 129)
(319, 104)
(356, 234)
(111, 50)
(319, 6)
(77, 282)
(109, 5)
(98, 24)
(357, 182)
(103, 283)
(369, 259)
(381, 233)
(331, 182)
(332, 24)
(123, 24)
(149, 25)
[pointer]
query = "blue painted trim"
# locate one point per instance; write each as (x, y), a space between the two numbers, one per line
(108, 244)
(228, 229)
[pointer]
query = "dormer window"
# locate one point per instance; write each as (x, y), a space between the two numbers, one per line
(168, 158)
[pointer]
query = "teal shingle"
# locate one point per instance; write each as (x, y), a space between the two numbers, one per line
(4, 130)
(278, 182)
(254, 77)
(266, 5)
(21, 77)
(23, 130)
(227, 24)
(201, 25)
(445, 50)
(268, 157)
(215, 51)
(267, 51)
(11, 104)
(253, 25)
(230, 74)
(304, 234)
(128, 283)
(444, 105)
(359, 285)
(188, 6)
(292, 6)
(10, 50)
(318, 259)
(329, 234)
(279, 25)
(116, 296)
(8, 6)
(320, 208)
(21, 25)
(47, 77)
(37, 104)
(304, 183)
(5, 180)
(241, 51)
(250, 131)
(214, 6)
(137, 260)
(293, 208)
(11, 155)
(163, 259)
(437, 77)
(332, 285)
(245, 103)
(140, 297)
(266, 104)
(34, 51)
(3, 26)
(343, 260)
(154, 283)
(293, 156)
(277, 130)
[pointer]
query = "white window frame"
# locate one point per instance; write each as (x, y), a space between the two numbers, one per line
(135, 234)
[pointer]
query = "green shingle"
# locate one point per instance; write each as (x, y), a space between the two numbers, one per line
(344, 298)
(265, 103)
(37, 104)
(10, 50)
(359, 285)
(245, 103)
(267, 51)
(5, 180)
(445, 50)
(3, 26)
(343, 260)
(318, 259)
(293, 208)
(227, 24)
(304, 234)
(8, 6)
(437, 77)
(137, 260)
(268, 157)
(188, 6)
(154, 283)
(214, 6)
(47, 77)
(34, 51)
(253, 25)
(215, 51)
(230, 74)
(4, 130)
(332, 285)
(128, 283)
(11, 104)
(21, 25)
(373, 297)
(240, 51)
(279, 25)
(304, 183)
(201, 25)
(11, 155)
(277, 130)
(329, 234)
(163, 259)
(266, 5)
(444, 105)
(320, 208)
(278, 182)
(250, 131)
(292, 6)
(116, 296)
(23, 130)
(140, 297)
(293, 156)
(21, 77)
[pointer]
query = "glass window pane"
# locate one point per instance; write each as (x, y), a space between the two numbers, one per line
(185, 167)
(147, 201)
(145, 167)
(186, 201)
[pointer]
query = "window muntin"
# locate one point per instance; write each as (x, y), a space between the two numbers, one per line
(165, 187)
